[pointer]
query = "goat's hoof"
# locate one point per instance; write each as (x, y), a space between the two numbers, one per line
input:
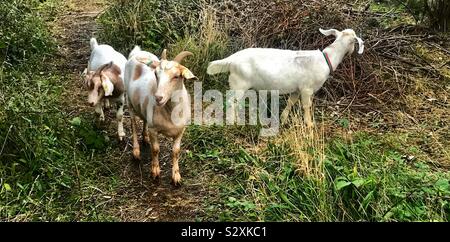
(106, 104)
(176, 179)
(137, 154)
(121, 136)
(156, 171)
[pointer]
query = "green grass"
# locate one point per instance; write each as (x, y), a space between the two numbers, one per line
(364, 180)
(50, 169)
(51, 163)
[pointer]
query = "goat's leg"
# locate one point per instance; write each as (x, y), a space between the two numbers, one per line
(145, 133)
(307, 103)
(106, 103)
(239, 87)
(176, 176)
(119, 117)
(156, 170)
(293, 98)
(99, 110)
(233, 112)
(136, 148)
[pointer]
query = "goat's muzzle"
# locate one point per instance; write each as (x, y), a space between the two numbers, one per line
(158, 100)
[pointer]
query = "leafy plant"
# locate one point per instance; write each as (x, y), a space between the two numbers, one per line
(90, 136)
(23, 35)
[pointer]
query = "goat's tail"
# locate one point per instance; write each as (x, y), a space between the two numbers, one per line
(135, 50)
(93, 43)
(218, 66)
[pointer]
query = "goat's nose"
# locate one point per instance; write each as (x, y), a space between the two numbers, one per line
(91, 104)
(158, 99)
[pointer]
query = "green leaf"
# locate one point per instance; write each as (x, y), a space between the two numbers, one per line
(366, 201)
(442, 185)
(344, 123)
(7, 187)
(285, 199)
(358, 182)
(76, 121)
(341, 184)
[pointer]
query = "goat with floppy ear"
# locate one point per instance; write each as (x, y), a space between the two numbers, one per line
(347, 37)
(156, 94)
(104, 81)
(300, 72)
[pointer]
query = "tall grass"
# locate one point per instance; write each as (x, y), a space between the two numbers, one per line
(49, 167)
(209, 43)
(361, 180)
(151, 24)
(17, 45)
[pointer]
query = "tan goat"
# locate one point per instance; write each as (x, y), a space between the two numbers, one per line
(156, 94)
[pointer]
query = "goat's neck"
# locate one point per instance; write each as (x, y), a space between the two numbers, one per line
(336, 53)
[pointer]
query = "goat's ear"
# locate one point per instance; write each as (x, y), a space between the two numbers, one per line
(164, 55)
(104, 67)
(146, 61)
(187, 74)
(154, 64)
(89, 74)
(330, 32)
(361, 45)
(84, 72)
(108, 86)
(88, 77)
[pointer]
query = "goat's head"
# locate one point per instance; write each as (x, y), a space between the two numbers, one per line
(170, 76)
(99, 84)
(347, 38)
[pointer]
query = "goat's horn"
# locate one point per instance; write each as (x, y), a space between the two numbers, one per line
(105, 66)
(181, 56)
(164, 55)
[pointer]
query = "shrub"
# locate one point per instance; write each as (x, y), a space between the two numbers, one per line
(23, 34)
(436, 12)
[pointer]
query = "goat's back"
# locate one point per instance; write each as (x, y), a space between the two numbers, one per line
(103, 54)
(276, 69)
(140, 84)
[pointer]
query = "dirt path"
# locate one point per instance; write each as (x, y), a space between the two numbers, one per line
(138, 197)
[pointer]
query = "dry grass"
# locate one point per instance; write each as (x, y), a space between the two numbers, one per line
(307, 145)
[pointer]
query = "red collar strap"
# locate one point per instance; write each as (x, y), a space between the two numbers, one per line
(327, 59)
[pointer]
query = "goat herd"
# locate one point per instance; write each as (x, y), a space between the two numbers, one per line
(150, 83)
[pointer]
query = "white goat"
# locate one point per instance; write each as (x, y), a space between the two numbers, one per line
(298, 72)
(150, 87)
(104, 80)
